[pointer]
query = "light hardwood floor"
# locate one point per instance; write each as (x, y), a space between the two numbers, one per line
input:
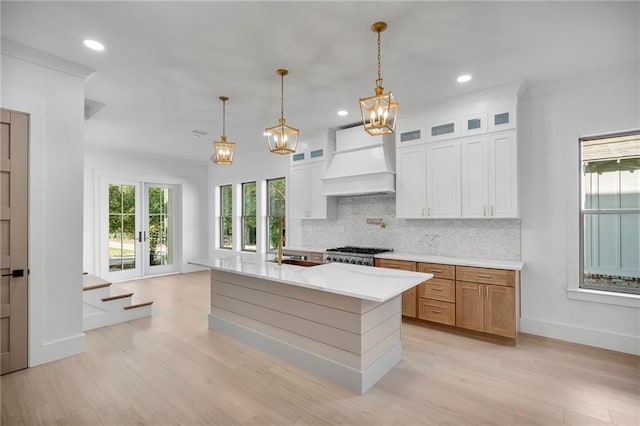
(171, 369)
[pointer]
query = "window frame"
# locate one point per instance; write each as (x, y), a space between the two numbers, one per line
(590, 292)
(269, 216)
(244, 217)
(222, 216)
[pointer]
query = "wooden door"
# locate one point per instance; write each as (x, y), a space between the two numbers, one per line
(409, 303)
(469, 306)
(13, 242)
(409, 297)
(499, 311)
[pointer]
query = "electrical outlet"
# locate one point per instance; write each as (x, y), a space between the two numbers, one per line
(473, 232)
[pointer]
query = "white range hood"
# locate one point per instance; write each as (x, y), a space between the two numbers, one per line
(362, 164)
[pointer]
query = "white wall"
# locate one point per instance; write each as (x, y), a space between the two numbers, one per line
(53, 94)
(189, 175)
(552, 119)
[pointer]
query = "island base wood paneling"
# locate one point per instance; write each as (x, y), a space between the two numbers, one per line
(479, 301)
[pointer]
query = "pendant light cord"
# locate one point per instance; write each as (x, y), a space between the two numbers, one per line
(379, 59)
(282, 96)
(224, 114)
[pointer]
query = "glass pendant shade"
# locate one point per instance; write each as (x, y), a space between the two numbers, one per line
(282, 139)
(380, 111)
(223, 150)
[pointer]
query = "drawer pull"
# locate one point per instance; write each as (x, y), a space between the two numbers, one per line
(433, 311)
(483, 276)
(436, 270)
(435, 289)
(392, 267)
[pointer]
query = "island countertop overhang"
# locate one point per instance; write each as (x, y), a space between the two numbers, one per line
(362, 282)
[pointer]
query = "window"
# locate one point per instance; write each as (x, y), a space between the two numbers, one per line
(249, 216)
(610, 212)
(226, 217)
(276, 202)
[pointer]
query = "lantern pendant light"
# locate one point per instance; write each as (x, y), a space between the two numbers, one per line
(282, 139)
(379, 112)
(223, 150)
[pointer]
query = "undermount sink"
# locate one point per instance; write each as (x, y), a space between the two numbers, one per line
(298, 262)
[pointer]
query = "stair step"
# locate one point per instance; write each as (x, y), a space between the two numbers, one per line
(138, 305)
(91, 282)
(116, 297)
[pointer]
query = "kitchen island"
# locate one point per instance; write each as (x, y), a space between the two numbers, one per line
(341, 322)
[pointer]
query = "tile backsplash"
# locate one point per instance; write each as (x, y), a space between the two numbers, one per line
(475, 238)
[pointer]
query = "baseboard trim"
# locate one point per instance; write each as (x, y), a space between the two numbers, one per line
(57, 349)
(587, 336)
(357, 381)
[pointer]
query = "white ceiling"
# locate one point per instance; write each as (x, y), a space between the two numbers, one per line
(166, 63)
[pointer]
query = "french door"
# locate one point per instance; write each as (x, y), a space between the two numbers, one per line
(137, 229)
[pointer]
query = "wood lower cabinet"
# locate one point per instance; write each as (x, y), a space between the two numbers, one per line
(437, 297)
(469, 306)
(479, 299)
(489, 308)
(409, 297)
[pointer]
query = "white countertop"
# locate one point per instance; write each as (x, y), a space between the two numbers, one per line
(514, 265)
(362, 282)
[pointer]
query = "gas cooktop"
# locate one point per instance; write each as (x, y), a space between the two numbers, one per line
(358, 250)
(354, 255)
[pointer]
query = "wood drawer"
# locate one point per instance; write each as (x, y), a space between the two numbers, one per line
(446, 272)
(441, 312)
(396, 264)
(437, 289)
(486, 275)
(315, 257)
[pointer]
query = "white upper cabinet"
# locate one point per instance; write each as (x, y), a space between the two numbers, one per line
(411, 181)
(307, 170)
(474, 170)
(459, 162)
(502, 119)
(489, 176)
(442, 129)
(299, 192)
(443, 179)
(503, 174)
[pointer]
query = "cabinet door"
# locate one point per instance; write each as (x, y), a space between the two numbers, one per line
(443, 179)
(469, 306)
(409, 303)
(499, 310)
(299, 192)
(411, 180)
(409, 297)
(503, 175)
(474, 176)
(317, 202)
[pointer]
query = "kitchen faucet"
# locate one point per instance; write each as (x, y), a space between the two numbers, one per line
(280, 240)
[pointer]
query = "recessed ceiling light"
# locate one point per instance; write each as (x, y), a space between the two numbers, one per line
(93, 45)
(342, 113)
(464, 78)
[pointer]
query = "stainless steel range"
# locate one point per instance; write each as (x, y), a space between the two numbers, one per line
(354, 255)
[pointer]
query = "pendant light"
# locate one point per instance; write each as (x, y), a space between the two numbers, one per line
(379, 112)
(282, 139)
(223, 150)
